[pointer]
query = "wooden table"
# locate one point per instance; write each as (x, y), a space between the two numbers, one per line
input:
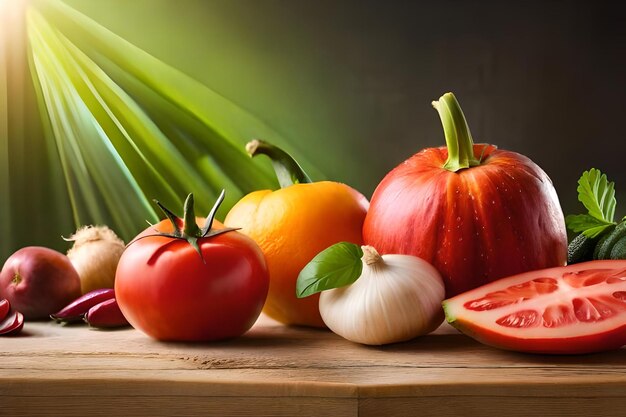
(276, 370)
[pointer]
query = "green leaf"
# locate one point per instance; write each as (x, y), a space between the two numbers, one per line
(334, 267)
(597, 194)
(92, 128)
(81, 134)
(588, 225)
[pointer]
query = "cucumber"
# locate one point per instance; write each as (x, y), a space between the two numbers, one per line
(605, 246)
(581, 249)
(619, 249)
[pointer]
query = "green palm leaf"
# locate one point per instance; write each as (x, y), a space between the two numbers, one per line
(117, 128)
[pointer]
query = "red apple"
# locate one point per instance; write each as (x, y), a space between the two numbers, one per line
(38, 281)
(477, 213)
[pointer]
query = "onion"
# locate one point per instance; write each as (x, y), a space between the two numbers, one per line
(95, 255)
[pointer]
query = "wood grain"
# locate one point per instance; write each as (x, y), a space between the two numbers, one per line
(280, 371)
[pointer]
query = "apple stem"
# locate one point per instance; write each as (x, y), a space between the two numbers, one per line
(458, 137)
(288, 171)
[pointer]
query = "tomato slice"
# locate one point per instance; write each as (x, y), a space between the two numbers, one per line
(574, 309)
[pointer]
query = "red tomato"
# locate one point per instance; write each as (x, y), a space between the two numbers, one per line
(579, 308)
(165, 290)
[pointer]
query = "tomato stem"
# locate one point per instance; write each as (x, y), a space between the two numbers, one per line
(458, 137)
(190, 226)
(288, 171)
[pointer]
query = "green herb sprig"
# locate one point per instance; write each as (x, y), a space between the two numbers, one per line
(597, 194)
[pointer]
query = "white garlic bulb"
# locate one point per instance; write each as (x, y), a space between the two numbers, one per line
(396, 298)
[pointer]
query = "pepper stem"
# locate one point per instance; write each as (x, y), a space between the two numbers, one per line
(458, 137)
(288, 171)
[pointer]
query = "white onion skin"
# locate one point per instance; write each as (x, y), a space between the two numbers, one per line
(95, 255)
(395, 299)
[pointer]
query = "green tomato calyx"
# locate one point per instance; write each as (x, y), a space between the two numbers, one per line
(190, 231)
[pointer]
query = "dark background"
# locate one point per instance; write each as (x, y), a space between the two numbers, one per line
(350, 82)
(348, 85)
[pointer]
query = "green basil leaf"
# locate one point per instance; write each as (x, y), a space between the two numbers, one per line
(589, 225)
(597, 194)
(334, 267)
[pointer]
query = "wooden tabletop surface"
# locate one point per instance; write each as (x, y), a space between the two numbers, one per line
(276, 370)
